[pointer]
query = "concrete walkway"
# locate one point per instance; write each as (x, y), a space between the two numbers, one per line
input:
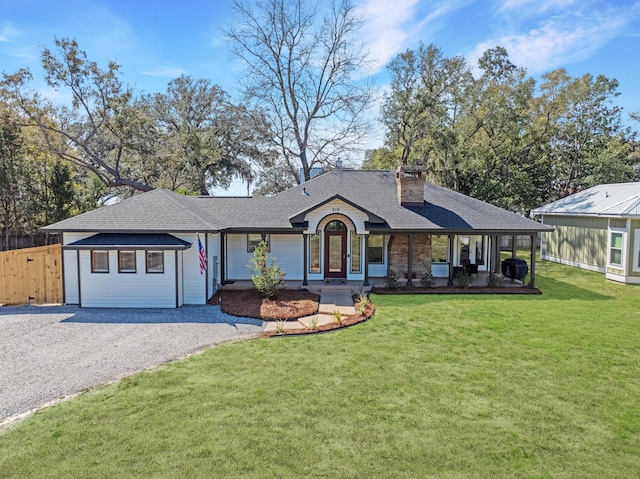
(332, 299)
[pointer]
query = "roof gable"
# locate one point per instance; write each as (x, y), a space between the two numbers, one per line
(300, 216)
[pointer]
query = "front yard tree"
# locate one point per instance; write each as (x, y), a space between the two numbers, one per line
(201, 140)
(301, 72)
(97, 131)
(422, 110)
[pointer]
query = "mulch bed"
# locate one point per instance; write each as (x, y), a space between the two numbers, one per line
(288, 304)
(454, 290)
(345, 322)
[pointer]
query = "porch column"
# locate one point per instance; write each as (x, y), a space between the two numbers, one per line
(409, 260)
(305, 241)
(223, 260)
(513, 246)
(450, 258)
(366, 260)
(532, 274)
(496, 253)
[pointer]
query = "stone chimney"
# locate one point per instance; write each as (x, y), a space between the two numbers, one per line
(410, 180)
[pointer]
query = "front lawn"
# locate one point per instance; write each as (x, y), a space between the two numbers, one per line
(433, 386)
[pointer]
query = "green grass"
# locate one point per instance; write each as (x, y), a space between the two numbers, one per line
(432, 386)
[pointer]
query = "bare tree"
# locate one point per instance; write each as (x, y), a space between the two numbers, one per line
(301, 71)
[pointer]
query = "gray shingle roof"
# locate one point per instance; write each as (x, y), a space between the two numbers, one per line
(604, 200)
(155, 211)
(374, 191)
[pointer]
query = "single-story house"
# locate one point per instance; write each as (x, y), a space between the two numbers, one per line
(596, 229)
(162, 249)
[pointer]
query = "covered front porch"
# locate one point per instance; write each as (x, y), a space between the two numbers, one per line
(477, 280)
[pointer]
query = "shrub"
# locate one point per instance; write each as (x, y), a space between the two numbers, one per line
(280, 327)
(463, 280)
(313, 324)
(495, 280)
(391, 280)
(362, 301)
(267, 278)
(427, 280)
(337, 316)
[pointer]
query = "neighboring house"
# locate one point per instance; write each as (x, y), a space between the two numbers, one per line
(596, 229)
(343, 225)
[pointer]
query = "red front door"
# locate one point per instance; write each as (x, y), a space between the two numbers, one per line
(335, 254)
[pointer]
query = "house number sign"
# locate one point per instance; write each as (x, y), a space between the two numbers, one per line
(335, 209)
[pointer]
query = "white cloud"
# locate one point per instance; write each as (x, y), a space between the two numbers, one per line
(8, 33)
(384, 32)
(165, 72)
(559, 40)
(391, 26)
(524, 7)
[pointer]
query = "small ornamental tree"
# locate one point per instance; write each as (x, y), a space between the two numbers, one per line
(266, 278)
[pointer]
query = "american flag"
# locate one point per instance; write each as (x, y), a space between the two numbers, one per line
(202, 255)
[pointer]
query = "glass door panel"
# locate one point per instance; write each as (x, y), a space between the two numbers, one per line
(335, 254)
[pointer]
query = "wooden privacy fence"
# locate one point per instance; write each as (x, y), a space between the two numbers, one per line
(31, 275)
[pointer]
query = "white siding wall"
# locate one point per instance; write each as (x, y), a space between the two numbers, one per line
(288, 249)
(194, 286)
(71, 267)
(128, 290)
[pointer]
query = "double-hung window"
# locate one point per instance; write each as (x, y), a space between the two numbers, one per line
(254, 239)
(375, 251)
(616, 249)
(439, 248)
(99, 261)
(155, 261)
(126, 261)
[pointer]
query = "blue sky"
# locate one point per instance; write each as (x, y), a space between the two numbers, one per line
(158, 40)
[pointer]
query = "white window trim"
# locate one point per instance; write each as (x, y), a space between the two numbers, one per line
(623, 265)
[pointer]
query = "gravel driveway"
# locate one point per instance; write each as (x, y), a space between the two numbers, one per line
(49, 352)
